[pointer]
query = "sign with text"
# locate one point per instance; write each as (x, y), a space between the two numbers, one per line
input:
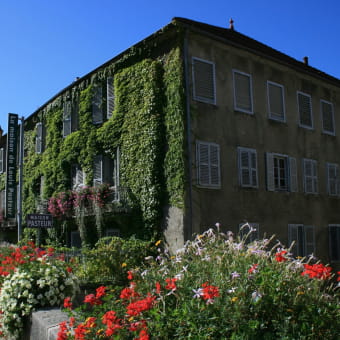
(39, 221)
(11, 170)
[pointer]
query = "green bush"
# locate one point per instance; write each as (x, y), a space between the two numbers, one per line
(216, 287)
(109, 259)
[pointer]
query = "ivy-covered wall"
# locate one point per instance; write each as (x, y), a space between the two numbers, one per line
(147, 125)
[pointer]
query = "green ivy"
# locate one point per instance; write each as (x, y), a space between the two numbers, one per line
(147, 124)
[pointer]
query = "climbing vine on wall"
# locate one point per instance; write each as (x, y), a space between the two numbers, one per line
(147, 125)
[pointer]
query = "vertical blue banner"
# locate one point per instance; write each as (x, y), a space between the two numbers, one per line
(11, 184)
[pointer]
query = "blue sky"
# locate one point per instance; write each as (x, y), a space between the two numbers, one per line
(46, 44)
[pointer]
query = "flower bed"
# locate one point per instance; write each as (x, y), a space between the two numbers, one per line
(216, 287)
(30, 278)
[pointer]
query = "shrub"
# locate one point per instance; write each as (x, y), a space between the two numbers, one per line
(216, 287)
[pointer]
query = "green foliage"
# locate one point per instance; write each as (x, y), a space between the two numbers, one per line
(109, 259)
(147, 125)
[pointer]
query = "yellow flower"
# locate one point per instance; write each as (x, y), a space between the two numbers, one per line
(234, 299)
(158, 243)
(124, 264)
(300, 293)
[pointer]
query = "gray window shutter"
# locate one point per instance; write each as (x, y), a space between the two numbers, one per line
(244, 168)
(110, 101)
(305, 110)
(67, 118)
(98, 170)
(276, 101)
(203, 80)
(253, 167)
(203, 163)
(97, 101)
(327, 117)
(309, 240)
(42, 185)
(293, 237)
(270, 171)
(2, 160)
(39, 138)
(214, 165)
(334, 242)
(3, 199)
(243, 92)
(293, 174)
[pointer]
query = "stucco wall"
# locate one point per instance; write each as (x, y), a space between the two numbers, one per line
(221, 124)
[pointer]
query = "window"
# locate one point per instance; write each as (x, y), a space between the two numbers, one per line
(77, 176)
(276, 103)
(334, 241)
(327, 114)
(39, 138)
(208, 164)
(243, 97)
(110, 97)
(97, 104)
(75, 239)
(305, 110)
(303, 238)
(249, 230)
(106, 170)
(310, 176)
(203, 73)
(2, 162)
(113, 232)
(333, 182)
(247, 167)
(281, 173)
(70, 118)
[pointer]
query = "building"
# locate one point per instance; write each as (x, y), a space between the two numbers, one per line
(194, 125)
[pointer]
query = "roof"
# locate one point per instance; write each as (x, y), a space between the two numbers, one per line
(240, 40)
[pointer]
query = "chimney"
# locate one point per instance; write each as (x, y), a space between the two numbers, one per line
(231, 24)
(305, 60)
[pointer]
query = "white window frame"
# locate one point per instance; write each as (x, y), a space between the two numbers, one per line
(273, 176)
(328, 132)
(333, 184)
(79, 179)
(236, 106)
(280, 117)
(334, 242)
(2, 160)
(304, 237)
(250, 169)
(310, 181)
(211, 165)
(244, 229)
(196, 96)
(306, 95)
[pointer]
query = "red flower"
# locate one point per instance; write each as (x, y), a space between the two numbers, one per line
(143, 335)
(253, 268)
(92, 300)
(280, 256)
(338, 279)
(135, 308)
(128, 293)
(158, 288)
(317, 270)
(68, 303)
(100, 291)
(69, 269)
(209, 292)
(171, 284)
(130, 275)
(62, 331)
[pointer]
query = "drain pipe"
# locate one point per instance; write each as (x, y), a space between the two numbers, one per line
(188, 131)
